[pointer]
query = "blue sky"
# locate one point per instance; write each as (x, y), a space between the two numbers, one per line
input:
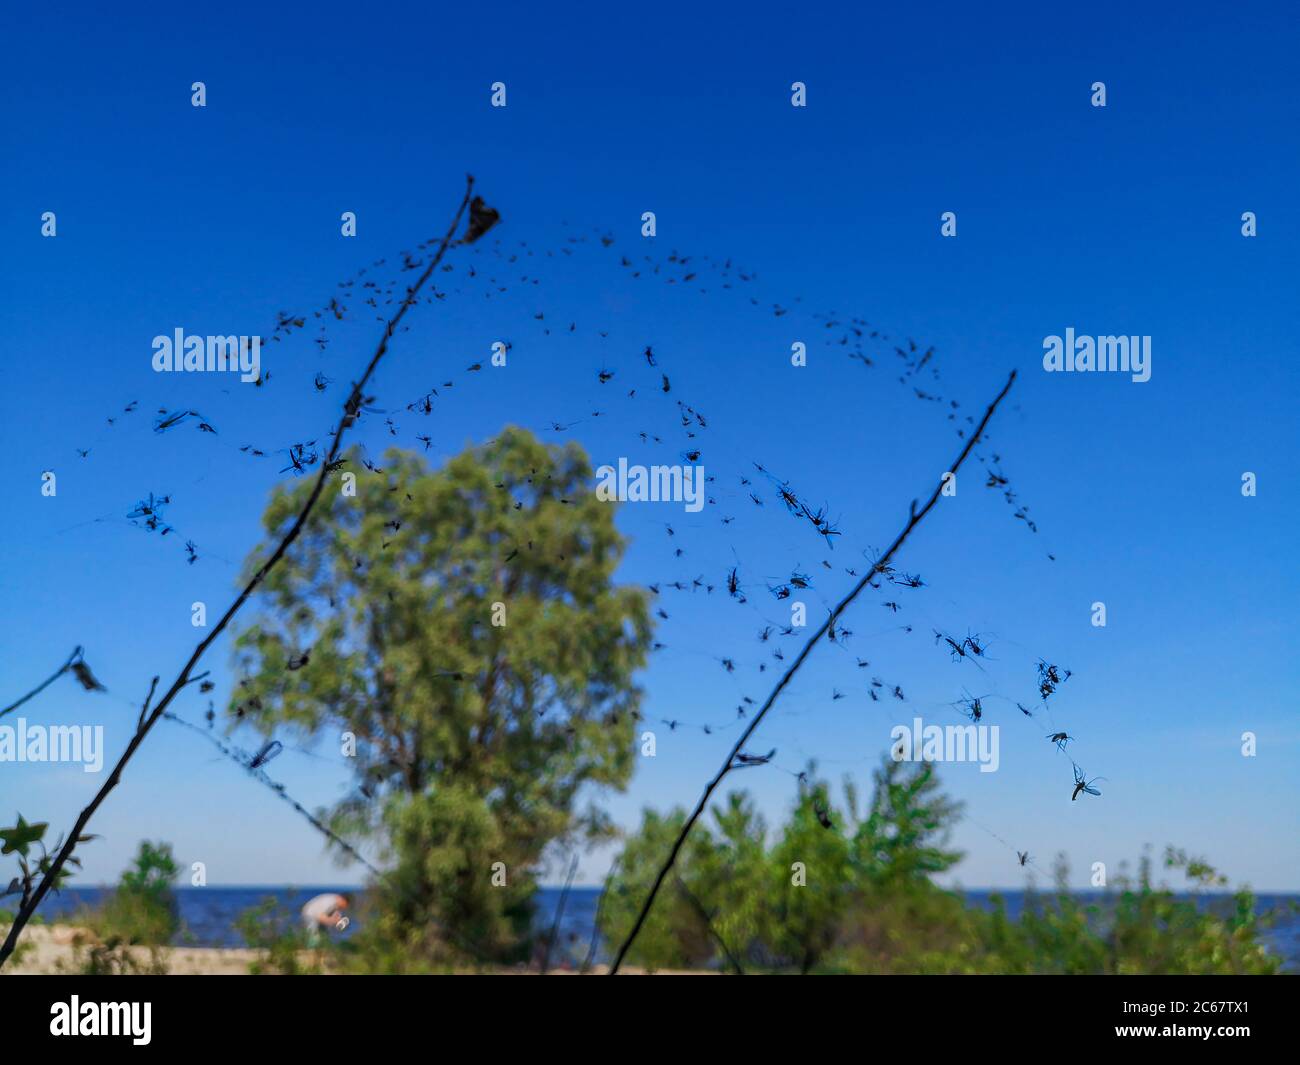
(1123, 219)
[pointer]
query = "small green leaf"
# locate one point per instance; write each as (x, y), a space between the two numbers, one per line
(21, 836)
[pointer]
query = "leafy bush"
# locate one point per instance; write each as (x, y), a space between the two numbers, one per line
(273, 929)
(857, 897)
(127, 932)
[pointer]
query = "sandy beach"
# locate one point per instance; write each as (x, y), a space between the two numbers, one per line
(51, 950)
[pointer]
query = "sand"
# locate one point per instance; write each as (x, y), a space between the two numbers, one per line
(50, 949)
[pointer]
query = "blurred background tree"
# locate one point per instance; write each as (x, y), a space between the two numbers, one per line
(464, 627)
(832, 892)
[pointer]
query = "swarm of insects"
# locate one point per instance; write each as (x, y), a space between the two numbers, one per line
(1050, 678)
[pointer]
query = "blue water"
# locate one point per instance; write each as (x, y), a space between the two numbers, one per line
(208, 914)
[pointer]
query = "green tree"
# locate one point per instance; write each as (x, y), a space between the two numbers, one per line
(868, 904)
(905, 831)
(731, 870)
(812, 864)
(675, 936)
(464, 627)
(127, 932)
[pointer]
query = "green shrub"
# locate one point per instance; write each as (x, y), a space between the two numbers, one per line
(128, 931)
(857, 897)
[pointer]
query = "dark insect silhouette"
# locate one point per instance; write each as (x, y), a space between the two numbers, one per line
(86, 678)
(1060, 739)
(1023, 856)
(296, 662)
(823, 814)
(958, 650)
(150, 510)
(1050, 678)
(481, 219)
(1083, 784)
(269, 750)
(167, 421)
(744, 760)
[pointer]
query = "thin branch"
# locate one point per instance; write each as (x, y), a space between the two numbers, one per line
(595, 926)
(264, 778)
(351, 411)
(914, 518)
(559, 913)
(76, 654)
(144, 710)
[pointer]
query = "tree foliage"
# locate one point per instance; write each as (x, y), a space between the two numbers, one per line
(857, 896)
(464, 627)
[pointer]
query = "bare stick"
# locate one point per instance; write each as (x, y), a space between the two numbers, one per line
(600, 909)
(914, 518)
(559, 915)
(144, 710)
(76, 654)
(351, 411)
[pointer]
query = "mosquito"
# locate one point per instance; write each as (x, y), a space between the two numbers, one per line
(86, 678)
(1081, 783)
(958, 650)
(733, 584)
(1050, 678)
(269, 750)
